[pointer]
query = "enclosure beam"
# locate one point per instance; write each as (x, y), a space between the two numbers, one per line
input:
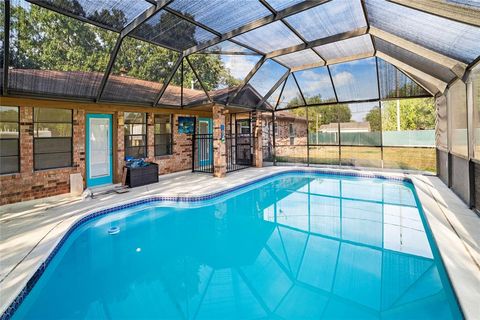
(334, 38)
(307, 66)
(443, 9)
(439, 84)
(280, 96)
(457, 67)
(6, 47)
(125, 32)
(333, 85)
(144, 17)
(272, 90)
(248, 77)
(47, 6)
(199, 80)
(167, 81)
(380, 109)
(305, 5)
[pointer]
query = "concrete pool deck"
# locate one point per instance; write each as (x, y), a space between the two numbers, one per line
(30, 231)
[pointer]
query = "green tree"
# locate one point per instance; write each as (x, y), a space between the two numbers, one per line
(415, 114)
(325, 114)
(43, 39)
(374, 118)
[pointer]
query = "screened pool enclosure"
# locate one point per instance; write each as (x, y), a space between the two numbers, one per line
(366, 83)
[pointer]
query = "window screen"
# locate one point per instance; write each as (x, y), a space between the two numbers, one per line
(291, 135)
(52, 142)
(356, 80)
(395, 84)
(135, 135)
(441, 134)
(163, 134)
(360, 124)
(9, 140)
(52, 54)
(474, 80)
(408, 134)
(457, 115)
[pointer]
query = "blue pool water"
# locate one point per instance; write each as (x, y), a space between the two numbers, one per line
(294, 246)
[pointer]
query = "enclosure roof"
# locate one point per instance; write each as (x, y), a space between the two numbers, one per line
(266, 54)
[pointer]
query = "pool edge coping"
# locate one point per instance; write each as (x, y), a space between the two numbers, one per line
(70, 224)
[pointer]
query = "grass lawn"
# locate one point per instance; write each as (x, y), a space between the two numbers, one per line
(423, 159)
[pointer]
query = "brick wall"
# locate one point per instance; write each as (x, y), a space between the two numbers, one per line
(181, 157)
(29, 184)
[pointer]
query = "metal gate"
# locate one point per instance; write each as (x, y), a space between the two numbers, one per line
(239, 145)
(202, 153)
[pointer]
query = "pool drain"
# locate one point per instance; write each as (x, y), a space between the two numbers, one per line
(113, 230)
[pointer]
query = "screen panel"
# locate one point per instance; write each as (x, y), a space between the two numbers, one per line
(283, 4)
(221, 74)
(323, 124)
(2, 36)
(139, 72)
(193, 92)
(46, 61)
(474, 80)
(316, 85)
(457, 115)
(357, 156)
(221, 16)
(441, 128)
(414, 60)
(356, 80)
(273, 36)
(167, 29)
(445, 36)
(361, 45)
(328, 19)
(115, 14)
(172, 96)
(408, 134)
(290, 96)
(360, 124)
(261, 82)
(300, 58)
(396, 84)
(227, 47)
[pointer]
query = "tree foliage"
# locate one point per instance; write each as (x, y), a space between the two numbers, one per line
(324, 114)
(374, 118)
(43, 39)
(415, 114)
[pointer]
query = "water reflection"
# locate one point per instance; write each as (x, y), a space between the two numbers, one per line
(295, 247)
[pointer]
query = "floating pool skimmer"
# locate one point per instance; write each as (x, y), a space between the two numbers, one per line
(114, 230)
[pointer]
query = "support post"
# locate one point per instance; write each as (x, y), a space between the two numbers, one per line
(273, 139)
(258, 143)
(219, 148)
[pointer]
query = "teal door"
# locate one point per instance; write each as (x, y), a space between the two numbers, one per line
(99, 160)
(205, 153)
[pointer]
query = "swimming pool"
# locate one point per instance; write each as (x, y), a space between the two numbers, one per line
(297, 245)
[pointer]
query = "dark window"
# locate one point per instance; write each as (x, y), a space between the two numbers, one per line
(52, 138)
(163, 134)
(135, 135)
(244, 127)
(9, 140)
(291, 132)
